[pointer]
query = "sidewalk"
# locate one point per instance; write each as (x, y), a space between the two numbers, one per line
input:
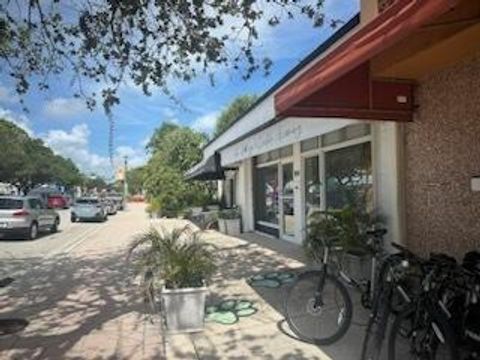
(87, 306)
(84, 305)
(263, 335)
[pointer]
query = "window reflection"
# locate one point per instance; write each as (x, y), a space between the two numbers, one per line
(266, 200)
(312, 186)
(348, 176)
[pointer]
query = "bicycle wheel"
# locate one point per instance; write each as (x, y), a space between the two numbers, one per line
(320, 325)
(421, 337)
(377, 326)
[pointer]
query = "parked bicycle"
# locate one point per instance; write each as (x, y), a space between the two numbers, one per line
(318, 306)
(396, 280)
(443, 320)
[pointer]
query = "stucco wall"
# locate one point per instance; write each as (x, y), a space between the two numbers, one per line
(442, 154)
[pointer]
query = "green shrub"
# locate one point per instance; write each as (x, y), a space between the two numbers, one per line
(175, 259)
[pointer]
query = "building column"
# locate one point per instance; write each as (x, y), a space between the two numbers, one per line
(298, 191)
(388, 165)
(245, 194)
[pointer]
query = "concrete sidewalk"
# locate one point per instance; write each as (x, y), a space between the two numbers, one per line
(86, 304)
(263, 335)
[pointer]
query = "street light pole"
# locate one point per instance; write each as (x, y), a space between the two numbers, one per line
(125, 183)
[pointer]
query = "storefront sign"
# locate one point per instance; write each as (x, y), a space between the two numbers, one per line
(286, 132)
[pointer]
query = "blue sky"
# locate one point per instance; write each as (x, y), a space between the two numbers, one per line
(73, 131)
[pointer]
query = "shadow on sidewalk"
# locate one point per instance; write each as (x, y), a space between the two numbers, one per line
(78, 308)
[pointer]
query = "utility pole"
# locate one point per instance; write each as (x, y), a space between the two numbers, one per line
(125, 183)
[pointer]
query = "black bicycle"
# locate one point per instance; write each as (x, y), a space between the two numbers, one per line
(423, 330)
(392, 295)
(318, 306)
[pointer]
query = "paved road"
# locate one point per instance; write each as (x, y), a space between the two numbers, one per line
(26, 253)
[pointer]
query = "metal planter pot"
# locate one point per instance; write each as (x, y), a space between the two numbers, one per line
(184, 309)
(230, 226)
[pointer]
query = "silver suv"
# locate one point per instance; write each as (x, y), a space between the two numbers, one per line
(26, 216)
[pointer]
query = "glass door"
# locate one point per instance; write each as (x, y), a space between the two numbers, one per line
(287, 200)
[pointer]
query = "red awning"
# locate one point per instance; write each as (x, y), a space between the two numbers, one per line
(394, 24)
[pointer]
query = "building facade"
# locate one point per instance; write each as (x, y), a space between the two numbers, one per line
(388, 106)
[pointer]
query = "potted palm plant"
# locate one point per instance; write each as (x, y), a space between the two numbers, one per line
(176, 265)
(229, 221)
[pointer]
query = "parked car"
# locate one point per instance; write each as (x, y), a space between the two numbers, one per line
(111, 206)
(118, 199)
(57, 201)
(88, 208)
(26, 216)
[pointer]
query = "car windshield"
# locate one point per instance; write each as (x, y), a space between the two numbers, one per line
(10, 204)
(87, 201)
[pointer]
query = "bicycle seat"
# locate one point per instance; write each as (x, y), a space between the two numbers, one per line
(377, 232)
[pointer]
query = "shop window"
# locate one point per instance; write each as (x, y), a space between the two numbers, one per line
(347, 133)
(310, 144)
(312, 186)
(286, 151)
(266, 194)
(348, 176)
(333, 137)
(356, 131)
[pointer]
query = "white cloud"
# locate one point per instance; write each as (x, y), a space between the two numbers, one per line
(7, 96)
(74, 144)
(21, 120)
(206, 123)
(136, 156)
(64, 107)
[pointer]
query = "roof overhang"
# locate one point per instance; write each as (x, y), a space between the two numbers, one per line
(342, 84)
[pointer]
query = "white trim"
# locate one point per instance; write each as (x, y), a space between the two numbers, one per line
(347, 143)
(283, 133)
(268, 224)
(267, 164)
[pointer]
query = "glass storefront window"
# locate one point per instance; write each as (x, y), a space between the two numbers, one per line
(309, 144)
(348, 175)
(312, 186)
(288, 200)
(266, 194)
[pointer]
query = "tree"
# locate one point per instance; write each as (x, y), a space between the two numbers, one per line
(135, 180)
(148, 42)
(233, 111)
(28, 161)
(174, 150)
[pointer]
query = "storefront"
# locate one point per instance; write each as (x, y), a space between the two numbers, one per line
(386, 106)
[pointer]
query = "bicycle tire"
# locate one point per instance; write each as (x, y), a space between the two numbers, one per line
(298, 306)
(449, 348)
(375, 332)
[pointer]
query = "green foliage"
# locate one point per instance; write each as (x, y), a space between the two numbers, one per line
(175, 259)
(135, 180)
(95, 182)
(174, 150)
(346, 227)
(236, 109)
(229, 214)
(29, 161)
(148, 43)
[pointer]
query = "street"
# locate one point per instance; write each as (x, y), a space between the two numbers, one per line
(48, 244)
(78, 293)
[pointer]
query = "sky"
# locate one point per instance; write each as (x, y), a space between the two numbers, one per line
(71, 130)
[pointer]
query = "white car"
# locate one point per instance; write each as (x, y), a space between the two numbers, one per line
(88, 208)
(26, 216)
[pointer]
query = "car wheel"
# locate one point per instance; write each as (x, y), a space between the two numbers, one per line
(54, 227)
(73, 218)
(33, 231)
